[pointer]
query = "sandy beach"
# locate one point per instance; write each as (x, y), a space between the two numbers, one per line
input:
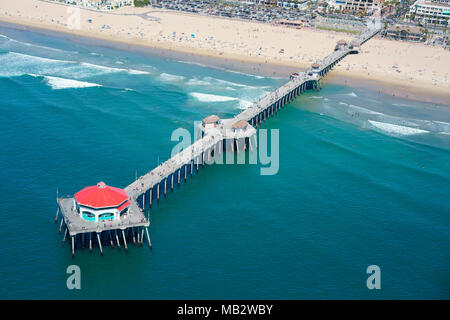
(396, 67)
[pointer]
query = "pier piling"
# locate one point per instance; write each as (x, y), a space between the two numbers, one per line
(124, 241)
(111, 242)
(99, 243)
(117, 239)
(57, 213)
(65, 234)
(151, 197)
(148, 238)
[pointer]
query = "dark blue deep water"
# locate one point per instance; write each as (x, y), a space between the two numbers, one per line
(364, 179)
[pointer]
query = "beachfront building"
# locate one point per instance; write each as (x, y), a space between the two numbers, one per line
(336, 4)
(430, 11)
(101, 203)
(279, 3)
(405, 33)
(362, 5)
(99, 4)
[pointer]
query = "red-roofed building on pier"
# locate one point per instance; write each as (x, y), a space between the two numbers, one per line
(101, 203)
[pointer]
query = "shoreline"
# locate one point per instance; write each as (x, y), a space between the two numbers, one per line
(239, 63)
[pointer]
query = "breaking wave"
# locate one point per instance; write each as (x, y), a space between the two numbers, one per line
(17, 64)
(396, 129)
(203, 97)
(170, 77)
(61, 83)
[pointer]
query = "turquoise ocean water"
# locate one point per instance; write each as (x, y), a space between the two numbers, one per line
(364, 179)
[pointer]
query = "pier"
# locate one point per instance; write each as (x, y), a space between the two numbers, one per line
(217, 136)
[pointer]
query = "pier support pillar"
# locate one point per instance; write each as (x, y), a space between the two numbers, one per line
(171, 183)
(73, 247)
(165, 187)
(151, 197)
(179, 173)
(117, 240)
(65, 234)
(60, 226)
(157, 192)
(111, 242)
(148, 238)
(124, 241)
(99, 243)
(192, 166)
(185, 172)
(90, 241)
(142, 237)
(134, 236)
(57, 213)
(196, 165)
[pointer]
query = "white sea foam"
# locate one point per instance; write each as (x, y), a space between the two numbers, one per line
(352, 94)
(170, 77)
(62, 83)
(234, 84)
(17, 64)
(364, 110)
(396, 129)
(244, 104)
(21, 57)
(197, 82)
(193, 63)
(246, 74)
(203, 97)
(104, 69)
(28, 44)
(134, 71)
(401, 105)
